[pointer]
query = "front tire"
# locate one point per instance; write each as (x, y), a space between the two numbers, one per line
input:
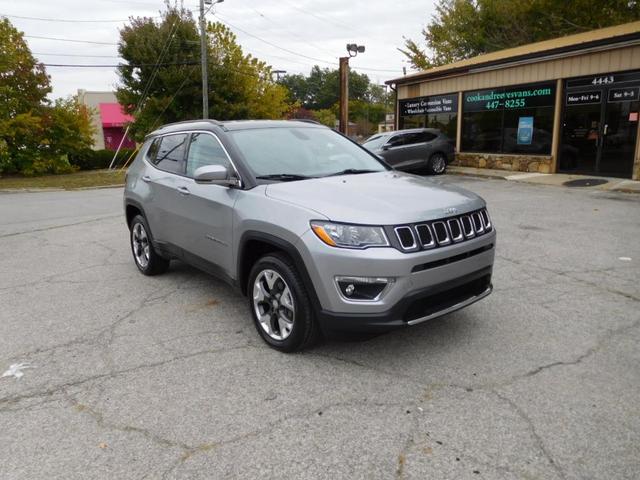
(437, 164)
(280, 305)
(148, 261)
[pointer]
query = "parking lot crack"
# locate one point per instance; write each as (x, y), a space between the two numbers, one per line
(532, 430)
(10, 400)
(55, 227)
(100, 420)
(567, 274)
(580, 358)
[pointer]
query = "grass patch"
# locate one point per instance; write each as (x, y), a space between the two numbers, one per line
(71, 181)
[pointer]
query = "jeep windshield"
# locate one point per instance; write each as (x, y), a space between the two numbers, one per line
(300, 153)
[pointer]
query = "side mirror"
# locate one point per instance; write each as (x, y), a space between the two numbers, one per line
(216, 175)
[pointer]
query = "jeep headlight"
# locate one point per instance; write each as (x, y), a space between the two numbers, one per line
(349, 236)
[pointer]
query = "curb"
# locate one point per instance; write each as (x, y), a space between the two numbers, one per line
(476, 175)
(45, 189)
(611, 186)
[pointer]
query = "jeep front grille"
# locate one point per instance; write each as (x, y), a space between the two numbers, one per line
(406, 237)
(425, 236)
(442, 232)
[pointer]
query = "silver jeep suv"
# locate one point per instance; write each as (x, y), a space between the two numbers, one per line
(320, 234)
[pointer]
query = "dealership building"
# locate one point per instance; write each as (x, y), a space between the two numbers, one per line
(568, 105)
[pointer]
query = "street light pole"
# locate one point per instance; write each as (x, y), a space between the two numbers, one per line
(353, 50)
(344, 95)
(203, 62)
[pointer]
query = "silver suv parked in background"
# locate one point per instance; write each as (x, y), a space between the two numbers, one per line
(417, 148)
(318, 232)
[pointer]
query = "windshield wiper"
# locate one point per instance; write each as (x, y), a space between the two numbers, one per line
(351, 171)
(283, 177)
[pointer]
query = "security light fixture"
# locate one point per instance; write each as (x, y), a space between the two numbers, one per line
(354, 49)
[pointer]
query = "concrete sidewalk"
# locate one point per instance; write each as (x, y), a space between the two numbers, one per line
(558, 179)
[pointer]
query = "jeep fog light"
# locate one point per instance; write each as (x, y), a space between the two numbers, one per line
(363, 288)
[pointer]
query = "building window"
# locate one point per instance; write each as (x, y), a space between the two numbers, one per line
(515, 120)
(438, 111)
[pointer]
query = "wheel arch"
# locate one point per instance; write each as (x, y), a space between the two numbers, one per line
(133, 208)
(255, 244)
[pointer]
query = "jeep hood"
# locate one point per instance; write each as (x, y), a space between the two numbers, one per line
(384, 198)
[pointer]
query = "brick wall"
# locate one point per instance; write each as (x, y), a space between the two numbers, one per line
(515, 163)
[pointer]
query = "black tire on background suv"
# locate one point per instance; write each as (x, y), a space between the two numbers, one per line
(145, 257)
(280, 305)
(437, 164)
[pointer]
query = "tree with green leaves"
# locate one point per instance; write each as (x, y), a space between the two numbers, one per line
(35, 135)
(318, 95)
(465, 28)
(321, 88)
(161, 79)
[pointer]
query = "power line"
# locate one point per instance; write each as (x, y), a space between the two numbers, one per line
(63, 20)
(293, 34)
(165, 48)
(273, 44)
(321, 18)
(74, 55)
(135, 65)
(226, 22)
(69, 40)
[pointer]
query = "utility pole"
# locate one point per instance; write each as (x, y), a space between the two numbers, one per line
(353, 50)
(203, 62)
(203, 54)
(344, 95)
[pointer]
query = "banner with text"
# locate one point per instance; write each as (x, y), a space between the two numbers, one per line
(510, 98)
(429, 105)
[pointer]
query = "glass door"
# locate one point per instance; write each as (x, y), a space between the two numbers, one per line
(581, 135)
(620, 131)
(600, 124)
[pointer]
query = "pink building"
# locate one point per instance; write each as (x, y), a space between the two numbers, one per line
(108, 119)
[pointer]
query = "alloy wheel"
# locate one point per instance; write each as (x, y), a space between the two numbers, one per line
(140, 245)
(438, 163)
(273, 304)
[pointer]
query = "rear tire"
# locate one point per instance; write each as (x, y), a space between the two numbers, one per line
(280, 305)
(437, 164)
(148, 261)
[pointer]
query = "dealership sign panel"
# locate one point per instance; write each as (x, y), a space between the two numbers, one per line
(509, 98)
(429, 105)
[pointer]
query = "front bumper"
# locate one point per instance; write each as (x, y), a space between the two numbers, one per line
(416, 307)
(426, 284)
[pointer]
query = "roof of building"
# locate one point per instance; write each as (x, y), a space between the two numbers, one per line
(112, 115)
(569, 43)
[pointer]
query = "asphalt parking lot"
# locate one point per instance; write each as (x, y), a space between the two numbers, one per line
(135, 377)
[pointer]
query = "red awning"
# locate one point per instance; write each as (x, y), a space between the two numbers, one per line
(112, 115)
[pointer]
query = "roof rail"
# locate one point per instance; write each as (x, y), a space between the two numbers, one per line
(305, 120)
(196, 120)
(210, 120)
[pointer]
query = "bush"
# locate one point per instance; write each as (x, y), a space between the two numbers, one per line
(99, 159)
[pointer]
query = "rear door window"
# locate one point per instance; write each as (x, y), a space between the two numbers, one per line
(426, 137)
(170, 153)
(412, 138)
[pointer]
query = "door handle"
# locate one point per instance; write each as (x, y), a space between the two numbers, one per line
(146, 178)
(183, 191)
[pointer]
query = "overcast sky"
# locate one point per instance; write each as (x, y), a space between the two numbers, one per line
(310, 28)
